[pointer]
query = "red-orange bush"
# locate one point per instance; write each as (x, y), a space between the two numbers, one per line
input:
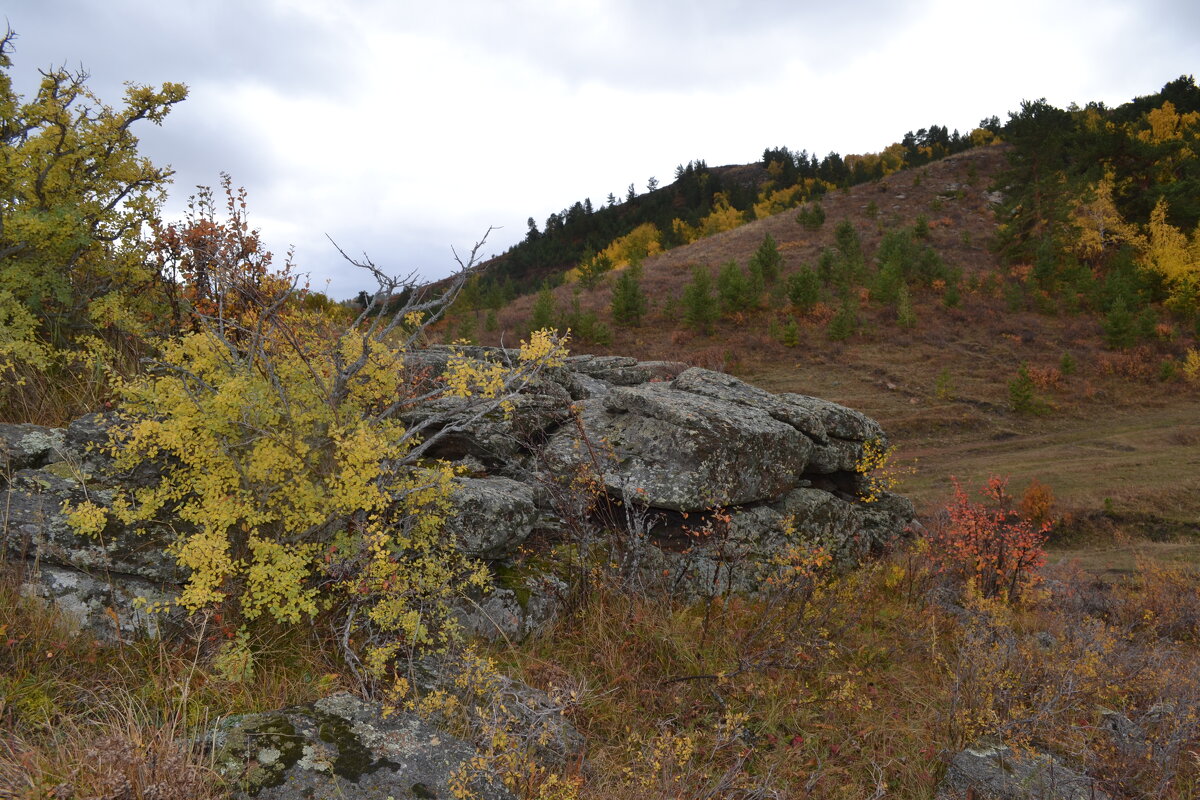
(989, 542)
(1037, 504)
(220, 269)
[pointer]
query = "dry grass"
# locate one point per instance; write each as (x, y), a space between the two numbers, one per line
(866, 687)
(80, 720)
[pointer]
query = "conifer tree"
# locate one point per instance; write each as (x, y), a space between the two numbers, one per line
(1021, 397)
(628, 300)
(543, 309)
(845, 322)
(767, 260)
(699, 309)
(905, 316)
(804, 289)
(1118, 325)
(734, 289)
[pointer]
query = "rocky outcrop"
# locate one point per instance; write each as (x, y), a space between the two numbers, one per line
(342, 747)
(683, 447)
(995, 772)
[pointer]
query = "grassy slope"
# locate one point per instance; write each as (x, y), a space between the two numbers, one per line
(1114, 439)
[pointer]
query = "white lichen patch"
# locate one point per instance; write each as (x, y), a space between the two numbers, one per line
(389, 744)
(268, 755)
(317, 758)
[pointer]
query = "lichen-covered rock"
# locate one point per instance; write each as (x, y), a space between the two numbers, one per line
(110, 607)
(493, 516)
(496, 437)
(517, 605)
(29, 447)
(539, 721)
(657, 434)
(995, 772)
(682, 451)
(839, 421)
(533, 719)
(37, 526)
(720, 386)
(342, 747)
(737, 555)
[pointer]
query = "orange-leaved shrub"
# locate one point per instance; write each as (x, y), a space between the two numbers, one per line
(989, 543)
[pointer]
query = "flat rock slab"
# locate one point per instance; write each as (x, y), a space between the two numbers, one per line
(29, 446)
(340, 748)
(995, 772)
(682, 451)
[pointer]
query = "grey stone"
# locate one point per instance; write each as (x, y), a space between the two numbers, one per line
(834, 455)
(720, 386)
(687, 452)
(29, 447)
(493, 515)
(825, 520)
(839, 421)
(515, 607)
(342, 747)
(885, 520)
(494, 437)
(37, 527)
(663, 370)
(534, 718)
(554, 741)
(995, 772)
(110, 607)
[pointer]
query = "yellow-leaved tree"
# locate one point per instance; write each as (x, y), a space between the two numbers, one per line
(75, 282)
(284, 453)
(722, 217)
(1099, 224)
(1172, 254)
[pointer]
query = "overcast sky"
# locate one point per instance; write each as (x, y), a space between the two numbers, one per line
(405, 128)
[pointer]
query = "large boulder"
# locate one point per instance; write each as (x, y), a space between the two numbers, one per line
(36, 502)
(683, 451)
(738, 551)
(995, 772)
(342, 747)
(110, 607)
(668, 439)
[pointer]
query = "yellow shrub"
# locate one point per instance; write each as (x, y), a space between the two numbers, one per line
(299, 488)
(1191, 366)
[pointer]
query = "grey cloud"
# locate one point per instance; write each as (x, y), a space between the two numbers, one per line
(677, 45)
(149, 42)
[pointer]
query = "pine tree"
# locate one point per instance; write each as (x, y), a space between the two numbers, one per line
(628, 300)
(804, 289)
(789, 333)
(1021, 398)
(811, 216)
(1118, 326)
(543, 309)
(905, 316)
(845, 321)
(699, 310)
(735, 289)
(767, 260)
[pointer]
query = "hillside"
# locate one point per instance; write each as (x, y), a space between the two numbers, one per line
(1112, 429)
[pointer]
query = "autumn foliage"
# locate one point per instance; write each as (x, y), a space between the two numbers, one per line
(990, 543)
(218, 268)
